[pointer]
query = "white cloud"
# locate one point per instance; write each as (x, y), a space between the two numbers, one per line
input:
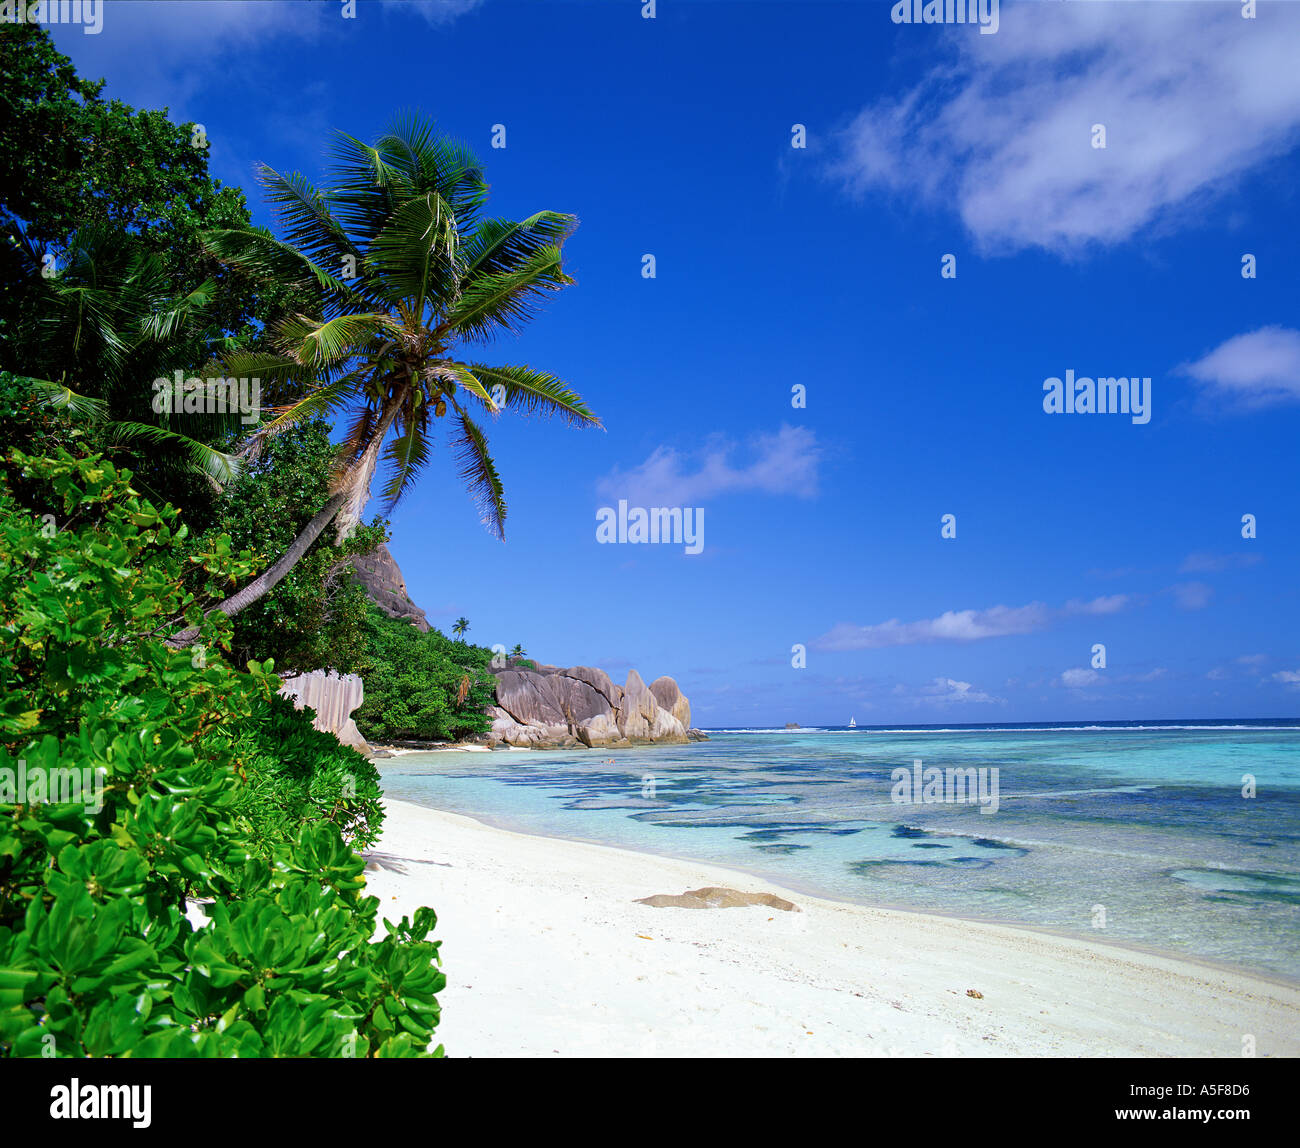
(166, 54)
(782, 463)
(1192, 96)
(946, 692)
(1079, 679)
(1288, 678)
(962, 625)
(1258, 369)
(952, 626)
(1192, 595)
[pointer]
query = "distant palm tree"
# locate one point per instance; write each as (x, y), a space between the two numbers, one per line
(517, 652)
(459, 627)
(404, 270)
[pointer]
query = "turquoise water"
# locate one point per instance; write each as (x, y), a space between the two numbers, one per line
(1136, 834)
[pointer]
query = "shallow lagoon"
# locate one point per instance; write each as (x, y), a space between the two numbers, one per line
(1139, 834)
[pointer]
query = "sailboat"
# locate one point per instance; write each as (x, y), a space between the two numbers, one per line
(852, 724)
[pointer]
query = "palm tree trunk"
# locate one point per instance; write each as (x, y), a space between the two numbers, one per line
(266, 581)
(345, 505)
(359, 487)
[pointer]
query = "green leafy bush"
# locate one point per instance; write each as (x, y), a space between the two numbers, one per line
(28, 422)
(97, 954)
(422, 686)
(296, 773)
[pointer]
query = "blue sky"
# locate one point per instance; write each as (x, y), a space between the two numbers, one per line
(820, 266)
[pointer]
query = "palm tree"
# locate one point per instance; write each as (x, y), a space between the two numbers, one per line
(100, 329)
(518, 651)
(459, 627)
(404, 271)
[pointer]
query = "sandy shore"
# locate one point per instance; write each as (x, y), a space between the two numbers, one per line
(547, 954)
(452, 747)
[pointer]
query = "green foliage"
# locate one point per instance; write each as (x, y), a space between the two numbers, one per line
(314, 618)
(105, 284)
(69, 158)
(422, 687)
(295, 773)
(97, 954)
(29, 422)
(98, 334)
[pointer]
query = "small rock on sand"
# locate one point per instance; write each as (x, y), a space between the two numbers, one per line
(716, 897)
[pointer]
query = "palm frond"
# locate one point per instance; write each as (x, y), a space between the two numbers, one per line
(358, 437)
(258, 252)
(415, 253)
(479, 473)
(364, 194)
(462, 374)
(407, 455)
(430, 162)
(499, 245)
(334, 340)
(58, 397)
(259, 365)
(304, 217)
(166, 323)
(505, 301)
(318, 402)
(217, 465)
(535, 392)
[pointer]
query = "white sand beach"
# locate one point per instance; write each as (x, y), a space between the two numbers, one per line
(547, 953)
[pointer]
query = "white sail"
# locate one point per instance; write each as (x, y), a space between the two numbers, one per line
(852, 724)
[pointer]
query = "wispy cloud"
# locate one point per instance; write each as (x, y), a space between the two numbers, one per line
(1191, 96)
(786, 462)
(945, 692)
(1258, 369)
(1202, 563)
(1191, 595)
(1253, 664)
(1288, 678)
(1079, 679)
(1083, 678)
(962, 625)
(436, 12)
(1107, 604)
(173, 51)
(952, 626)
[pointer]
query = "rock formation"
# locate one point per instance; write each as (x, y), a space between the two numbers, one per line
(333, 697)
(538, 707)
(382, 578)
(549, 707)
